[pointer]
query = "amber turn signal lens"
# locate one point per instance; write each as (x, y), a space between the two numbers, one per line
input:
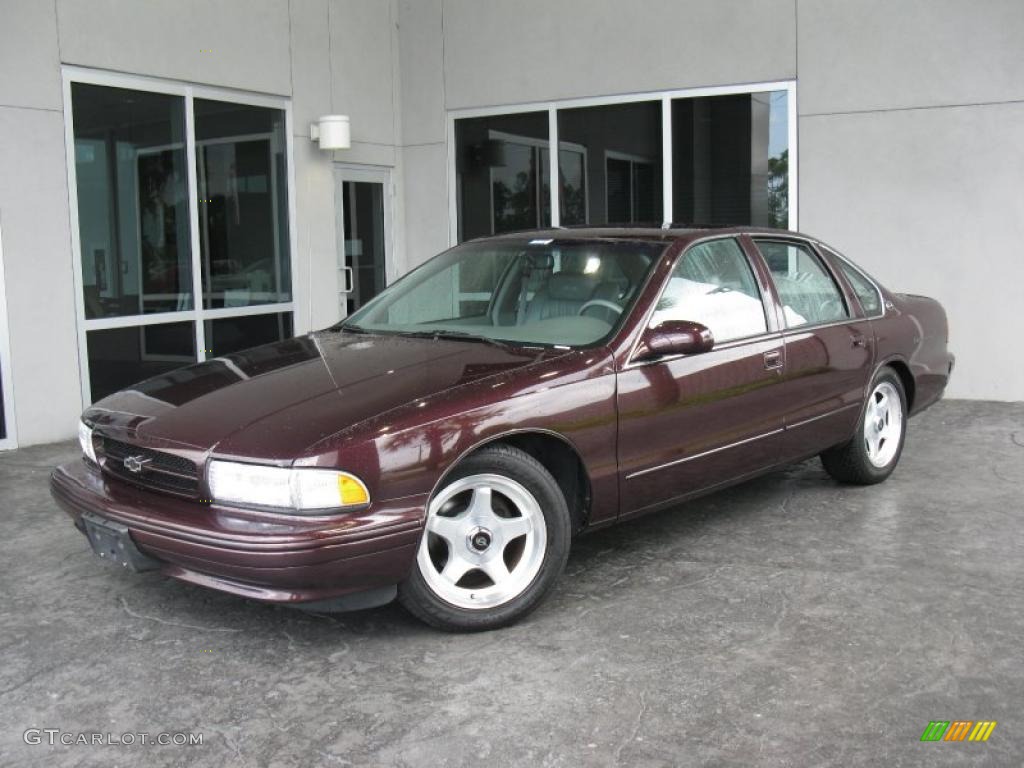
(352, 491)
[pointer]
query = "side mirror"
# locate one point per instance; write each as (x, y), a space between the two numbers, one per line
(674, 337)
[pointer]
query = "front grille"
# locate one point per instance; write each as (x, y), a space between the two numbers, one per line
(159, 471)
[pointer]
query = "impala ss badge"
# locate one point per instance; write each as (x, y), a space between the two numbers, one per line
(134, 464)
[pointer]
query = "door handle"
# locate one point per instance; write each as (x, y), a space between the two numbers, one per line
(773, 360)
(859, 340)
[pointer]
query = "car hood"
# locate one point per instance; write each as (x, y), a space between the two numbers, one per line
(272, 402)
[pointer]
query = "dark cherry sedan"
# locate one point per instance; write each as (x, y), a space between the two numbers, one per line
(446, 442)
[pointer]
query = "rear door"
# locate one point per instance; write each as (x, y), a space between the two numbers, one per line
(689, 422)
(829, 348)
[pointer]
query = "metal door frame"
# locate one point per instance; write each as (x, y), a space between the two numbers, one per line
(372, 174)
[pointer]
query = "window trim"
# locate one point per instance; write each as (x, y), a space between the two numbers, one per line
(665, 97)
(809, 245)
(198, 314)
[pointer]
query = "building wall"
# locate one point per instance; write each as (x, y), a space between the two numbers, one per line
(911, 160)
(911, 118)
(327, 55)
(910, 122)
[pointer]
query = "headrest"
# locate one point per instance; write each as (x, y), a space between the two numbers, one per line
(569, 287)
(540, 261)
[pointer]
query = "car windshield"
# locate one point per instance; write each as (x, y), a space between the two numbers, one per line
(538, 292)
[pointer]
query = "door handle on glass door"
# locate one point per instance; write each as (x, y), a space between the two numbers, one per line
(773, 360)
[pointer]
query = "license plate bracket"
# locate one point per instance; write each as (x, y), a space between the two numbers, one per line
(112, 542)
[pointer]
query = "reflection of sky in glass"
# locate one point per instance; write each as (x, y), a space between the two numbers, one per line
(778, 124)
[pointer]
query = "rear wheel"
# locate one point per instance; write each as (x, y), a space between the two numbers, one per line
(873, 453)
(495, 540)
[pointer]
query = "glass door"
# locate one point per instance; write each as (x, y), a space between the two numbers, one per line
(363, 221)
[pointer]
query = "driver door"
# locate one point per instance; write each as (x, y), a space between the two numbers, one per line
(690, 422)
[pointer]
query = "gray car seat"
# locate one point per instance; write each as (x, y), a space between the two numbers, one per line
(563, 296)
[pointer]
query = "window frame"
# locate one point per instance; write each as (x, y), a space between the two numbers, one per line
(766, 310)
(831, 253)
(764, 286)
(199, 313)
(837, 280)
(665, 97)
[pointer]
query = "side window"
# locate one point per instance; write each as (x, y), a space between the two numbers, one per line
(713, 284)
(866, 292)
(808, 293)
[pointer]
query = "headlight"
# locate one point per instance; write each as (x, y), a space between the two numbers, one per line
(303, 489)
(85, 440)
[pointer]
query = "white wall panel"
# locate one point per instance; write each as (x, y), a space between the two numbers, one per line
(930, 201)
(29, 61)
(421, 53)
(881, 54)
(362, 59)
(426, 202)
(501, 53)
(37, 261)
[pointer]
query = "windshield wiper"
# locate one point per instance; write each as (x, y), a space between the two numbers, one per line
(441, 333)
(344, 328)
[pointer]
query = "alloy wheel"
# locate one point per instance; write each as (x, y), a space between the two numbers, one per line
(883, 424)
(484, 542)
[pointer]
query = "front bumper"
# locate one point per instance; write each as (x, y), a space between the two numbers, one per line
(271, 557)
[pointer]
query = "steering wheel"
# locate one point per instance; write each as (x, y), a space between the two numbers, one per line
(603, 303)
(830, 308)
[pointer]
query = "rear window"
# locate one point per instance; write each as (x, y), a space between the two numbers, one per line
(867, 293)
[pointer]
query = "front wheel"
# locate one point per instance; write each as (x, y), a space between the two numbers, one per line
(872, 454)
(495, 540)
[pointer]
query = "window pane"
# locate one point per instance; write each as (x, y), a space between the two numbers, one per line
(808, 293)
(243, 204)
(501, 184)
(120, 357)
(713, 284)
(133, 218)
(609, 169)
(867, 294)
(546, 292)
(231, 334)
(730, 158)
(363, 216)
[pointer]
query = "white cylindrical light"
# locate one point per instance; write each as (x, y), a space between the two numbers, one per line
(332, 131)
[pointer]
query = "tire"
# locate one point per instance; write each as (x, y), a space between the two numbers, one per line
(874, 451)
(498, 507)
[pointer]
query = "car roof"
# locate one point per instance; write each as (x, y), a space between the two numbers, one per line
(649, 232)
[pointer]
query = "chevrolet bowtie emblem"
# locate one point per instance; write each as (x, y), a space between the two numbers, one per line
(134, 464)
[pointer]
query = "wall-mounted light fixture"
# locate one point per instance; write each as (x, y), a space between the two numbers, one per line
(332, 131)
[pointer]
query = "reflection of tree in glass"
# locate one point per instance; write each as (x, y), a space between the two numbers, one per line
(514, 208)
(778, 190)
(574, 205)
